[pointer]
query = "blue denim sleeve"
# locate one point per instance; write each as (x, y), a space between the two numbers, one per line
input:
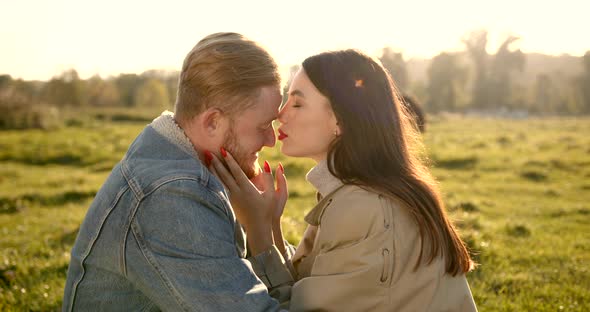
(182, 254)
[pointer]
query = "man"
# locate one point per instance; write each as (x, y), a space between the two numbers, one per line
(161, 233)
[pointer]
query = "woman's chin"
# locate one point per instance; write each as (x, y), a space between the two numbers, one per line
(292, 153)
(285, 151)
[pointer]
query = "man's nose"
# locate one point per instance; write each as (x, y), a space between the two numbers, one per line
(269, 137)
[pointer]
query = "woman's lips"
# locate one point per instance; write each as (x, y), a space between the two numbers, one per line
(282, 135)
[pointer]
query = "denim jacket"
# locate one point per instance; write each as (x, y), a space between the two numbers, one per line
(161, 235)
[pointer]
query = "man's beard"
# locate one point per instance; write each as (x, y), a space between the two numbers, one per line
(230, 143)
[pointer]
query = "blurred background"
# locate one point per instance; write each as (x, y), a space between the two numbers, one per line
(516, 58)
(503, 86)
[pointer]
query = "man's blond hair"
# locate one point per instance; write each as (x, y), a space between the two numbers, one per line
(225, 71)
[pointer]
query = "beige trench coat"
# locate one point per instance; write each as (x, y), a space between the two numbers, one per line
(358, 254)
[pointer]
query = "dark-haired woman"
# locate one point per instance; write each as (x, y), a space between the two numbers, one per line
(379, 239)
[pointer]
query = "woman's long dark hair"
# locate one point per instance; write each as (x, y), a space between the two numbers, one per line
(376, 148)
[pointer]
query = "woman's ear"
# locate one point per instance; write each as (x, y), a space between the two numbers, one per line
(337, 130)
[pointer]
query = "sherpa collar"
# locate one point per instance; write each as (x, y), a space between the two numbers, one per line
(166, 126)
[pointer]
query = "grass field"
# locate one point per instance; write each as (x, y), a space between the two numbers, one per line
(519, 190)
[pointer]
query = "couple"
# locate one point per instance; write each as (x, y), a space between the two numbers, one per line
(187, 221)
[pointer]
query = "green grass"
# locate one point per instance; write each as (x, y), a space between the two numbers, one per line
(519, 190)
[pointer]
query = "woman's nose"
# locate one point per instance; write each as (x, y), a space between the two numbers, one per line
(282, 115)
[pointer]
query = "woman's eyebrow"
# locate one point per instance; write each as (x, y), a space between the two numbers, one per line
(297, 93)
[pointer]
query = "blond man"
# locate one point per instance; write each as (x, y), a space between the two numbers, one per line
(161, 233)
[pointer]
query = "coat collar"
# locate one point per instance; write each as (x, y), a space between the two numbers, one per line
(322, 179)
(326, 185)
(315, 215)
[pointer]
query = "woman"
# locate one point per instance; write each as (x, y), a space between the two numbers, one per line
(379, 239)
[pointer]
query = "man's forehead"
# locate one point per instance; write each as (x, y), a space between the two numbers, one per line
(266, 107)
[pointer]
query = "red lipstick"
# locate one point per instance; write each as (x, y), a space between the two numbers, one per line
(282, 135)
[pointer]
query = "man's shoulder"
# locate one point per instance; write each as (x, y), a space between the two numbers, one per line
(150, 175)
(153, 161)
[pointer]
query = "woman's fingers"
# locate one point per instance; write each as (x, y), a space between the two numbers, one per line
(267, 178)
(214, 172)
(226, 177)
(237, 172)
(264, 180)
(281, 193)
(257, 179)
(282, 188)
(236, 178)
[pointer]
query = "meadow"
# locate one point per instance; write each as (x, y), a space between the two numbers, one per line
(519, 191)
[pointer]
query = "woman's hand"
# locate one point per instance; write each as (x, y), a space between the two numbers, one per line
(281, 192)
(254, 204)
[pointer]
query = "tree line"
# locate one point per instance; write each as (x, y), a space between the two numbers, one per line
(150, 89)
(474, 80)
(471, 80)
(34, 104)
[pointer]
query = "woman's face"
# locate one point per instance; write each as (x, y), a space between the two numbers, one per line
(308, 124)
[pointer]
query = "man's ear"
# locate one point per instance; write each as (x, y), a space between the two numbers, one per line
(212, 121)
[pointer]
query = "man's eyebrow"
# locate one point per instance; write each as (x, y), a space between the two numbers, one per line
(297, 93)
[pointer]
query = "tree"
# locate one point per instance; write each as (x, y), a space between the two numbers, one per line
(585, 83)
(492, 87)
(152, 94)
(396, 66)
(167, 77)
(16, 91)
(446, 80)
(127, 85)
(546, 94)
(5, 81)
(65, 89)
(504, 64)
(476, 43)
(102, 92)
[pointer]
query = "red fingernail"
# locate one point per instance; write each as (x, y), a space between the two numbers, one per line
(208, 158)
(281, 168)
(266, 167)
(223, 152)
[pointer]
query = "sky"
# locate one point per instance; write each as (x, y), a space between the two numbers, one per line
(40, 39)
